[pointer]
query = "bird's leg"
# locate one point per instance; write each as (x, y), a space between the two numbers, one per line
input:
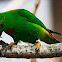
(38, 44)
(15, 43)
(12, 43)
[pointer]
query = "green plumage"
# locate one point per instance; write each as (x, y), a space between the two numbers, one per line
(27, 27)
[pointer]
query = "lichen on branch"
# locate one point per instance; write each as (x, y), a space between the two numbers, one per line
(18, 51)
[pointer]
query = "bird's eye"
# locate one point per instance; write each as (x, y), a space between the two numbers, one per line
(1, 24)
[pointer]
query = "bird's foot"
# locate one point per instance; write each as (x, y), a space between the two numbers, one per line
(12, 43)
(38, 44)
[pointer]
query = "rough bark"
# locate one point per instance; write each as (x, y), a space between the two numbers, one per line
(18, 51)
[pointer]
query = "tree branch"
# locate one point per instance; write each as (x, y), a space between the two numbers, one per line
(35, 6)
(18, 51)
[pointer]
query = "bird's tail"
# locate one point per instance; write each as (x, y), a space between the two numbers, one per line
(50, 31)
(51, 39)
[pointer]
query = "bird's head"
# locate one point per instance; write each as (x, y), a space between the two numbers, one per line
(3, 22)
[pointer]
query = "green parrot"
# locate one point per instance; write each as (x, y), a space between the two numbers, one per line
(20, 24)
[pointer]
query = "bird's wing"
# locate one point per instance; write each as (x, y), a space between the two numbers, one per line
(28, 15)
(28, 31)
(32, 18)
(32, 31)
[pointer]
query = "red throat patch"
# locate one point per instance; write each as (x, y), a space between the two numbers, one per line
(10, 31)
(52, 36)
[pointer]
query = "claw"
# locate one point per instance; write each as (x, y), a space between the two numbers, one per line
(37, 46)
